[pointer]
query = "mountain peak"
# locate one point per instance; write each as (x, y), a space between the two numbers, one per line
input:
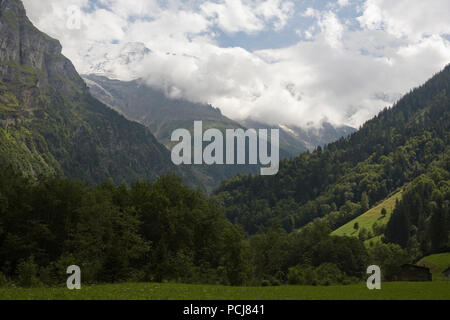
(116, 60)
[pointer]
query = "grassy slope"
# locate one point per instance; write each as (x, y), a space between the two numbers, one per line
(366, 220)
(437, 264)
(152, 291)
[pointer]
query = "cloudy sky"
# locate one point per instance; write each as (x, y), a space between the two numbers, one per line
(293, 62)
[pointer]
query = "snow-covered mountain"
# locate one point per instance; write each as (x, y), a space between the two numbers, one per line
(115, 59)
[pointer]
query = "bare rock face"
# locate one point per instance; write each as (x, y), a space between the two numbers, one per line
(29, 56)
(23, 44)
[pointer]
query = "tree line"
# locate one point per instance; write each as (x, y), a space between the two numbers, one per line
(158, 232)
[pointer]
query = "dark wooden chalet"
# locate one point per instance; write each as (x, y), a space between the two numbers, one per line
(411, 272)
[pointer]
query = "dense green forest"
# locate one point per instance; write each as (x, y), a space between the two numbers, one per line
(160, 231)
(421, 220)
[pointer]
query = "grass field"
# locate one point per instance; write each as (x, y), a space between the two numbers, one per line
(437, 264)
(367, 220)
(439, 290)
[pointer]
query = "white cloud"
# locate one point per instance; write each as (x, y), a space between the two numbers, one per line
(410, 18)
(248, 16)
(133, 8)
(343, 3)
(334, 72)
(332, 29)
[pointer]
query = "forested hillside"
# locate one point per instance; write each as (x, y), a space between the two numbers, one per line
(421, 220)
(158, 232)
(49, 122)
(344, 179)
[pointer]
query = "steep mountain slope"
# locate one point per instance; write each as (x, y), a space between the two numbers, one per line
(49, 122)
(344, 179)
(152, 108)
(162, 115)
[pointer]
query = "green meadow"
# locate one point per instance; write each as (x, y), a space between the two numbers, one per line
(438, 290)
(369, 218)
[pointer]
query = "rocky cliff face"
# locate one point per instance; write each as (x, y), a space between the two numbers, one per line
(51, 124)
(24, 47)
